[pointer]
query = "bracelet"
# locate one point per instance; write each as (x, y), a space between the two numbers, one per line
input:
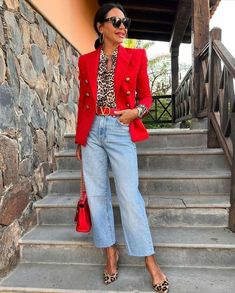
(142, 110)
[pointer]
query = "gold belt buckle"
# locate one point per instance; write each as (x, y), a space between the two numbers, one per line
(103, 111)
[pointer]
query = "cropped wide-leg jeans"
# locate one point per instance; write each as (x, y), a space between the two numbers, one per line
(109, 144)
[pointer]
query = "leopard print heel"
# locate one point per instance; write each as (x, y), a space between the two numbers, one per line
(109, 278)
(162, 288)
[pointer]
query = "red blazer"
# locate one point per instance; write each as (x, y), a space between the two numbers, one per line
(130, 80)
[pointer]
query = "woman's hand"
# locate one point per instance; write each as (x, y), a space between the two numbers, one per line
(126, 116)
(78, 152)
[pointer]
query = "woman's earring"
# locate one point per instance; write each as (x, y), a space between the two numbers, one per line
(101, 38)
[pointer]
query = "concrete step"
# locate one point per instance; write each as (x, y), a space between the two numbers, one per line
(185, 246)
(162, 210)
(66, 278)
(155, 159)
(150, 182)
(161, 138)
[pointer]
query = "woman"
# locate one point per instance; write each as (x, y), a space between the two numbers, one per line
(108, 125)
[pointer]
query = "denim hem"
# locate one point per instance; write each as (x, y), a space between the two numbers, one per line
(140, 255)
(104, 246)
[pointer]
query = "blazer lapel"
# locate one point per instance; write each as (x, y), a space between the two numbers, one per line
(123, 60)
(92, 71)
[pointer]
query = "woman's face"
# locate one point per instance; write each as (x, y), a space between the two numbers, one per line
(111, 34)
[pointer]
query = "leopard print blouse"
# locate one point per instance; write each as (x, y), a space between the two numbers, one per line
(105, 80)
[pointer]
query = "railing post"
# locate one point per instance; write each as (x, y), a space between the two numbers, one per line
(232, 195)
(214, 75)
(174, 77)
(175, 68)
(200, 37)
(173, 107)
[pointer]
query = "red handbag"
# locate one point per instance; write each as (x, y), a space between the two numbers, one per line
(83, 217)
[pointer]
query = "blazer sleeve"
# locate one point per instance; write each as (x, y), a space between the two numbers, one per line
(142, 85)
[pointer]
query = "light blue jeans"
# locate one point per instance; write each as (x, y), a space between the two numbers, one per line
(109, 142)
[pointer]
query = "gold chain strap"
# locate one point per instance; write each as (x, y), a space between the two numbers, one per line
(82, 184)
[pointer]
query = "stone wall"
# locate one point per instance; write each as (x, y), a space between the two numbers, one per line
(38, 96)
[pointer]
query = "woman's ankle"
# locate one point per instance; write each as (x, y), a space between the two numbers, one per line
(150, 260)
(111, 250)
(111, 259)
(152, 265)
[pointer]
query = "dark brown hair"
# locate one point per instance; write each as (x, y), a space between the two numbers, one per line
(101, 15)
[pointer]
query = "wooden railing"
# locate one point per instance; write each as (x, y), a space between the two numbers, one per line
(182, 99)
(221, 105)
(215, 101)
(161, 111)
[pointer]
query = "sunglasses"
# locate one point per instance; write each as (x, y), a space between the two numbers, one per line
(117, 21)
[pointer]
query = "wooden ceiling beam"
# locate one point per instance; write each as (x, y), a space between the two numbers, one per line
(154, 37)
(152, 31)
(148, 15)
(168, 6)
(148, 36)
(186, 39)
(182, 18)
(213, 6)
(151, 21)
(153, 8)
(151, 26)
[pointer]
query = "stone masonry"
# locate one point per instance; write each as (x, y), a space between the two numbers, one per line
(38, 104)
